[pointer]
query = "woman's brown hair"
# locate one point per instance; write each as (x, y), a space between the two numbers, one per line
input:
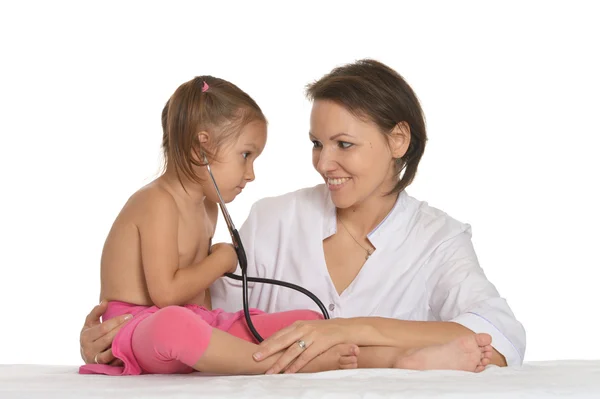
(368, 88)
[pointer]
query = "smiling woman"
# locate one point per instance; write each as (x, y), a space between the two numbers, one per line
(397, 273)
(372, 98)
(358, 167)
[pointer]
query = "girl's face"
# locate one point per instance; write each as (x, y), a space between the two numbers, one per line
(234, 166)
(355, 159)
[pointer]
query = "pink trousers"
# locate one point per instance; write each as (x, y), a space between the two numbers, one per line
(172, 339)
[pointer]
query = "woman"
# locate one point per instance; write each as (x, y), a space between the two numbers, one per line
(405, 272)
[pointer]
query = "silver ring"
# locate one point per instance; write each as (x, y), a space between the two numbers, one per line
(96, 358)
(302, 344)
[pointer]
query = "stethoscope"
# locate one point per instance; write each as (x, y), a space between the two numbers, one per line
(241, 255)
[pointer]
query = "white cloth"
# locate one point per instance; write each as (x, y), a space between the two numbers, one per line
(534, 380)
(424, 268)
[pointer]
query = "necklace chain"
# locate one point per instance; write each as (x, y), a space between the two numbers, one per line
(368, 251)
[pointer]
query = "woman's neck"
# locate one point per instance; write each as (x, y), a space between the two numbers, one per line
(367, 215)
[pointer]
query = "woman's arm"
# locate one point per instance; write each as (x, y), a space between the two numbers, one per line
(464, 302)
(460, 297)
(405, 334)
(459, 292)
(321, 335)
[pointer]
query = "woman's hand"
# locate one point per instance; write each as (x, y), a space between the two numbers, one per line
(96, 338)
(317, 336)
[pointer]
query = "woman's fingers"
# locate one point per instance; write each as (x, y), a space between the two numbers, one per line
(105, 357)
(321, 340)
(96, 332)
(318, 347)
(278, 342)
(116, 363)
(99, 338)
(105, 341)
(293, 351)
(305, 356)
(275, 337)
(93, 318)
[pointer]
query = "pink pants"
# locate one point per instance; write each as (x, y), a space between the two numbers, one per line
(172, 339)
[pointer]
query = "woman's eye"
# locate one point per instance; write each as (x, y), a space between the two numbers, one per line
(345, 144)
(316, 144)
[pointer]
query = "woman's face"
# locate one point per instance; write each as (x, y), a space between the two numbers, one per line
(355, 159)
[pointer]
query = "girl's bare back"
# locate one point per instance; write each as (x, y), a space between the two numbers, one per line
(122, 267)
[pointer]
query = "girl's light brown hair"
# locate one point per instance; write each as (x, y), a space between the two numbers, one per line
(368, 88)
(221, 109)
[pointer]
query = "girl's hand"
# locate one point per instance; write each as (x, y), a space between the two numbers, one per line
(318, 336)
(227, 254)
(96, 338)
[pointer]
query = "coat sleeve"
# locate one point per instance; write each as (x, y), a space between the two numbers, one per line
(460, 292)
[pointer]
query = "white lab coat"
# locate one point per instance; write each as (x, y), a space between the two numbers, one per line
(424, 268)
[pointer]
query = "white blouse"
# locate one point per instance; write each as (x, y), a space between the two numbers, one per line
(424, 268)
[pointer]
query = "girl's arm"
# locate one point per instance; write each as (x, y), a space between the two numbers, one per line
(226, 293)
(168, 284)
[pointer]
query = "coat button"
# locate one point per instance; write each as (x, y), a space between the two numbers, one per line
(331, 307)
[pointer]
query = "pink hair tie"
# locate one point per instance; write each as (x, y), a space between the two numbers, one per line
(204, 87)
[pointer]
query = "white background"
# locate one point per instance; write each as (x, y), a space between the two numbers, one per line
(510, 91)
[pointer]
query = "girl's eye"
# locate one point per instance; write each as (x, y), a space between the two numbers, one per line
(246, 155)
(344, 144)
(316, 144)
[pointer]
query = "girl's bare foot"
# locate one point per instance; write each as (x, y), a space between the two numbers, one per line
(350, 361)
(469, 353)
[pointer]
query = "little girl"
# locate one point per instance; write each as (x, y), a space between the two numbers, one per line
(158, 261)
